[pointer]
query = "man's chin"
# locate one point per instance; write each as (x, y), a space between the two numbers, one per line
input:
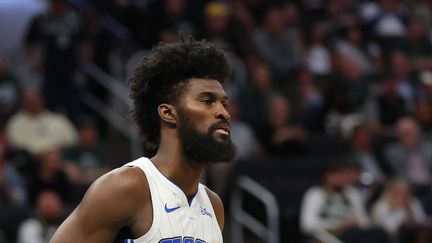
(220, 137)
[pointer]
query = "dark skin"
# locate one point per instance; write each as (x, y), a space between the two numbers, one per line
(122, 196)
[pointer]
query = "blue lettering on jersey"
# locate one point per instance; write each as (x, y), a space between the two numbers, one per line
(188, 240)
(205, 212)
(178, 239)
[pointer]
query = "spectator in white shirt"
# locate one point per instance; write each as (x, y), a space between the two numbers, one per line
(38, 130)
(400, 213)
(335, 212)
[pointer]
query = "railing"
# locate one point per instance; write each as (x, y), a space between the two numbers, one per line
(269, 231)
(115, 118)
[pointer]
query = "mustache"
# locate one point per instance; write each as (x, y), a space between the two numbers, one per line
(217, 125)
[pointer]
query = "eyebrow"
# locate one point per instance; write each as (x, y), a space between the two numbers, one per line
(213, 95)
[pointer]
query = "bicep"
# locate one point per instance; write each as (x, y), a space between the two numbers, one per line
(83, 229)
(89, 223)
(107, 206)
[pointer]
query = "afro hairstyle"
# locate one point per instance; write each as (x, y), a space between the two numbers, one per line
(162, 75)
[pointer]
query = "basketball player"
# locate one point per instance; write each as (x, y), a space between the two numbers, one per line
(180, 108)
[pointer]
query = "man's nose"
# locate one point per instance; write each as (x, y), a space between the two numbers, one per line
(222, 113)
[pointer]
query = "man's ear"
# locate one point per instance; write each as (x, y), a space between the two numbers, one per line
(168, 113)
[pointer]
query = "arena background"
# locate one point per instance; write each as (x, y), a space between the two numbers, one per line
(314, 82)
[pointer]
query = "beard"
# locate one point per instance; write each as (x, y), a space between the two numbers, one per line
(203, 148)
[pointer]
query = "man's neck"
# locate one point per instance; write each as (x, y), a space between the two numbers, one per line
(186, 174)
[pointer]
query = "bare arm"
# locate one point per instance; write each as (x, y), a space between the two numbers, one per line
(110, 203)
(217, 207)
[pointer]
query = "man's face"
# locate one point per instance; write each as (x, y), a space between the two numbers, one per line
(203, 125)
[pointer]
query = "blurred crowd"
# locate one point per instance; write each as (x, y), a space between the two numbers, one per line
(357, 71)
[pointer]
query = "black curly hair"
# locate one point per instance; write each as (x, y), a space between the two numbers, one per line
(161, 77)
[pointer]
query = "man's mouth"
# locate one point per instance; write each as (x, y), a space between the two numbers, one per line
(223, 128)
(222, 131)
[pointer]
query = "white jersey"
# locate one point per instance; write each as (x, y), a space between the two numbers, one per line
(174, 220)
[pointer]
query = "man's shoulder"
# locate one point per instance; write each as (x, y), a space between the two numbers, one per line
(124, 178)
(217, 205)
(213, 196)
(314, 193)
(124, 185)
(17, 118)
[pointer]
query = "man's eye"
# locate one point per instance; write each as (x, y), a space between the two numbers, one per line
(208, 102)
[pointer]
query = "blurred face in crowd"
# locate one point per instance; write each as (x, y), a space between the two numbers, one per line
(389, 5)
(52, 160)
(88, 136)
(390, 87)
(408, 132)
(423, 112)
(49, 207)
(335, 179)
(290, 13)
(317, 33)
(355, 35)
(274, 22)
(400, 64)
(262, 77)
(304, 81)
(58, 6)
(32, 102)
(279, 111)
(174, 7)
(399, 194)
(349, 69)
(362, 139)
(217, 18)
(416, 29)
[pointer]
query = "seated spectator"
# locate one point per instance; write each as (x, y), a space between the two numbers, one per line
(57, 45)
(402, 71)
(318, 55)
(47, 218)
(221, 29)
(282, 135)
(417, 45)
(423, 115)
(38, 130)
(367, 172)
(367, 55)
(363, 153)
(410, 157)
(51, 175)
(253, 99)
(386, 108)
(349, 87)
(401, 214)
(86, 161)
(278, 45)
(310, 101)
(387, 19)
(334, 211)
